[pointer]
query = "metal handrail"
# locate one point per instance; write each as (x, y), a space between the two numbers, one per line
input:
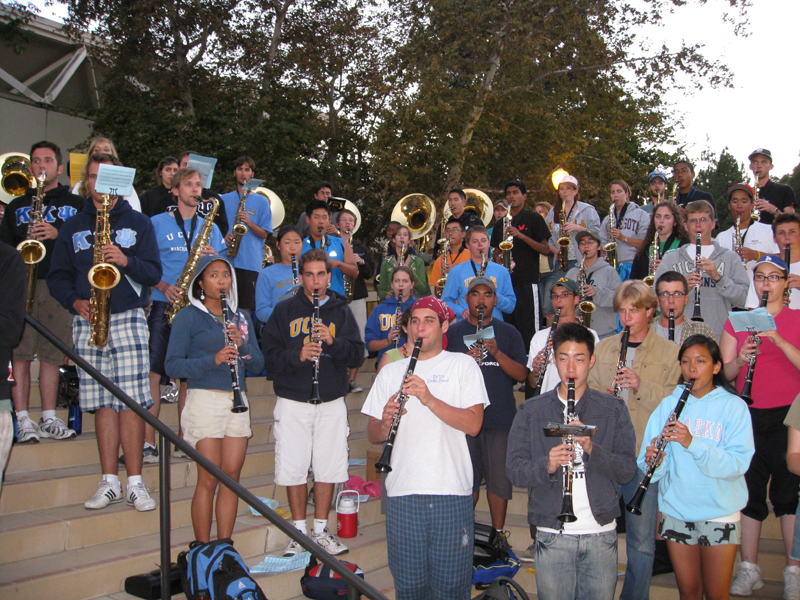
(355, 582)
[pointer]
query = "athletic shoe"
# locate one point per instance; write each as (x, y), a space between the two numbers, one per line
(293, 548)
(55, 428)
(747, 580)
(329, 543)
(169, 393)
(178, 453)
(502, 540)
(106, 494)
(150, 454)
(27, 431)
(791, 583)
(355, 388)
(138, 497)
(528, 555)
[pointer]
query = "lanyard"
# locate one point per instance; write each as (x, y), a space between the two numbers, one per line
(187, 239)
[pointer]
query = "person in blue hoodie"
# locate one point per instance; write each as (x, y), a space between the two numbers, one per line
(124, 358)
(382, 328)
(701, 489)
(276, 282)
(199, 352)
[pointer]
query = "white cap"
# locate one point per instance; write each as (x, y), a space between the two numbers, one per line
(570, 179)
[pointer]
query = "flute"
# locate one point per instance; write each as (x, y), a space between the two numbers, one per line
(239, 405)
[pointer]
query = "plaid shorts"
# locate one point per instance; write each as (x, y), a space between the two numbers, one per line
(124, 360)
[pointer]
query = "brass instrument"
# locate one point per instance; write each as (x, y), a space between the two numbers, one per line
(384, 463)
(384, 250)
(635, 505)
(315, 399)
(278, 214)
(747, 388)
(398, 314)
(401, 256)
(15, 170)
(698, 255)
(611, 246)
(418, 213)
(239, 405)
(737, 237)
(33, 251)
(103, 277)
(507, 245)
(586, 307)
(548, 350)
(756, 214)
(563, 241)
(484, 261)
(186, 276)
(654, 256)
(239, 228)
(444, 252)
(623, 354)
(348, 281)
(567, 514)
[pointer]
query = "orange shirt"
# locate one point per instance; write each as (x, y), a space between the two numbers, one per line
(452, 259)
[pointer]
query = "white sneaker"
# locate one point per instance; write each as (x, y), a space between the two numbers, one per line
(56, 429)
(27, 431)
(329, 543)
(106, 494)
(791, 583)
(293, 548)
(139, 498)
(747, 580)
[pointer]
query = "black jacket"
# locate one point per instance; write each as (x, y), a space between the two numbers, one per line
(12, 309)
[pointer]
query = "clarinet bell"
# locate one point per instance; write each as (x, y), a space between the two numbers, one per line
(567, 515)
(238, 403)
(635, 505)
(382, 466)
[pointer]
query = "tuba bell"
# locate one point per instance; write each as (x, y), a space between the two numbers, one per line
(477, 202)
(418, 213)
(278, 214)
(15, 170)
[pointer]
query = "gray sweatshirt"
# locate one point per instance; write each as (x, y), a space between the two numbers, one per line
(584, 215)
(605, 280)
(634, 225)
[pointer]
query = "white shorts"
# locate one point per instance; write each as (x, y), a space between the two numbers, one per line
(207, 414)
(310, 435)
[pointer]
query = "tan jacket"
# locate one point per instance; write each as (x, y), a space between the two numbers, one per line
(656, 364)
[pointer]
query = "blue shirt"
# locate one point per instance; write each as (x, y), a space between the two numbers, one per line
(273, 285)
(251, 250)
(458, 278)
(335, 250)
(381, 321)
(172, 247)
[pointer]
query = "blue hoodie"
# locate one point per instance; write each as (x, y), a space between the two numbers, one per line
(381, 321)
(197, 336)
(706, 480)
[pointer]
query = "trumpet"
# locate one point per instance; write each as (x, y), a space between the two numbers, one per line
(315, 399)
(654, 256)
(239, 405)
(537, 389)
(747, 388)
(384, 463)
(635, 505)
(586, 307)
(623, 354)
(32, 250)
(611, 246)
(563, 242)
(567, 514)
(697, 256)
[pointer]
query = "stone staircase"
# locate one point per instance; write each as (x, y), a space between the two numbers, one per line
(50, 546)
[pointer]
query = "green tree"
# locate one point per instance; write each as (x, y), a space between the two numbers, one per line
(721, 173)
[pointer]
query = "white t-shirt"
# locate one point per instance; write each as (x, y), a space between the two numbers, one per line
(753, 300)
(756, 237)
(538, 342)
(429, 456)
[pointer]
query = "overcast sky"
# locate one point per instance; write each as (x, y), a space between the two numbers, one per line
(759, 112)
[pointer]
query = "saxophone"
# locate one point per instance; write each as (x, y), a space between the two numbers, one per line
(348, 281)
(654, 256)
(611, 246)
(195, 253)
(444, 252)
(482, 271)
(737, 237)
(33, 251)
(384, 250)
(586, 307)
(239, 228)
(507, 245)
(563, 242)
(103, 277)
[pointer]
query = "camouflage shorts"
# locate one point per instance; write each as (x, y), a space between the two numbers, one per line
(705, 533)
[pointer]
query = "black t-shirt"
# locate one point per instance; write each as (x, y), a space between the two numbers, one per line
(500, 387)
(526, 259)
(156, 199)
(203, 209)
(365, 270)
(778, 194)
(467, 219)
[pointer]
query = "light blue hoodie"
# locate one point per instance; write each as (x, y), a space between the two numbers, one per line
(706, 480)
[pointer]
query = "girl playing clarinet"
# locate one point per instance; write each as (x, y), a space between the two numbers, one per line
(275, 282)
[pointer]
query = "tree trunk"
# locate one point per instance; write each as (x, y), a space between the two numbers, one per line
(266, 81)
(181, 66)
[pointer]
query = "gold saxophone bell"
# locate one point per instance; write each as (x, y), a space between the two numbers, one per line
(17, 177)
(104, 276)
(650, 280)
(32, 251)
(587, 306)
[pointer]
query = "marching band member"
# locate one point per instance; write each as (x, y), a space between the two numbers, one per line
(457, 253)
(338, 250)
(101, 145)
(575, 559)
(58, 205)
(773, 198)
(630, 222)
(672, 291)
(656, 190)
(276, 281)
(124, 359)
(161, 195)
(322, 192)
(701, 486)
(756, 238)
(786, 232)
(309, 433)
(683, 173)
(391, 228)
(382, 329)
(778, 360)
(457, 202)
(199, 351)
(402, 240)
(429, 502)
(667, 224)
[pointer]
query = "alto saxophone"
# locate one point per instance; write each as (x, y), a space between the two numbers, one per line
(737, 238)
(563, 241)
(239, 228)
(384, 250)
(33, 251)
(586, 307)
(185, 279)
(444, 252)
(482, 270)
(103, 277)
(507, 245)
(348, 281)
(654, 256)
(611, 246)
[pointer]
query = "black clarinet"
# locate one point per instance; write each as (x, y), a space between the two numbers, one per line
(398, 313)
(384, 463)
(478, 330)
(537, 389)
(635, 505)
(787, 258)
(671, 325)
(567, 514)
(315, 399)
(698, 255)
(239, 405)
(623, 356)
(747, 388)
(295, 274)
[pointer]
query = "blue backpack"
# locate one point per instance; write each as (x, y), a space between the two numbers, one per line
(216, 571)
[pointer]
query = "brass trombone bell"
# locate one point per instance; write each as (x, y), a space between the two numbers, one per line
(417, 212)
(275, 205)
(17, 177)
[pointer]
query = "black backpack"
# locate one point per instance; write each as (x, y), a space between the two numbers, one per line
(501, 589)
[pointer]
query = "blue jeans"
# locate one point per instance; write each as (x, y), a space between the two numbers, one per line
(796, 543)
(640, 540)
(430, 541)
(576, 567)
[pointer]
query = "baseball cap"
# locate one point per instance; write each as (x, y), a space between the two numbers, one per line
(655, 174)
(740, 186)
(568, 284)
(773, 260)
(582, 234)
(758, 151)
(476, 281)
(570, 179)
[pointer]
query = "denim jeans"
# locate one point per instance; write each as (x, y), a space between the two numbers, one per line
(576, 567)
(796, 543)
(640, 540)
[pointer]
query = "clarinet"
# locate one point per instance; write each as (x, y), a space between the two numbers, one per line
(398, 313)
(696, 316)
(635, 505)
(295, 274)
(747, 389)
(623, 352)
(478, 330)
(671, 325)
(567, 514)
(239, 405)
(787, 258)
(383, 465)
(315, 399)
(537, 389)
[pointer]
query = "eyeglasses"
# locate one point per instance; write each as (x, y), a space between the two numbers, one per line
(774, 278)
(701, 221)
(563, 296)
(668, 295)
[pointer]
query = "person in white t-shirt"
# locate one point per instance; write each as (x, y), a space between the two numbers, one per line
(756, 238)
(429, 513)
(786, 231)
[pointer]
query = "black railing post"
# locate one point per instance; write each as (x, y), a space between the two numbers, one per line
(164, 507)
(353, 593)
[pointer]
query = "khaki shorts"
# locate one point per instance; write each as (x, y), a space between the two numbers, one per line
(56, 318)
(207, 414)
